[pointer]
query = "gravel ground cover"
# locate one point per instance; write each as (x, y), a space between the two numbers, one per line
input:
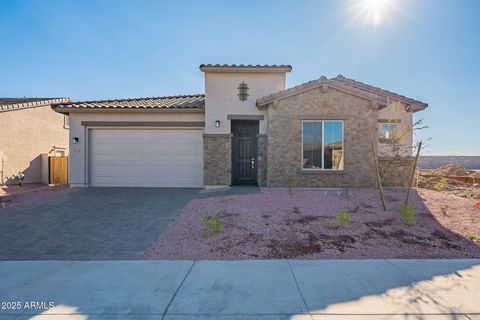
(301, 224)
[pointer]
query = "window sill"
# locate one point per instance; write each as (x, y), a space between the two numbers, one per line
(321, 171)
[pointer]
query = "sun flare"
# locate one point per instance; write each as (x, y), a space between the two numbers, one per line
(375, 12)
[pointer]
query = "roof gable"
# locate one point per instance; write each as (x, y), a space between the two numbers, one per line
(383, 97)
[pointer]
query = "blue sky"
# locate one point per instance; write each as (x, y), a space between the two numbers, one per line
(428, 50)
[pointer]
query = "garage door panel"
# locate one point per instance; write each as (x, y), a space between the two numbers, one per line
(146, 158)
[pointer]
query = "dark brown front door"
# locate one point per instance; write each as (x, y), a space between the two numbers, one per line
(244, 155)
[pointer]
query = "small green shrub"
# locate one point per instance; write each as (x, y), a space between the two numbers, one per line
(444, 209)
(213, 225)
(472, 236)
(296, 210)
(440, 185)
(408, 213)
(343, 218)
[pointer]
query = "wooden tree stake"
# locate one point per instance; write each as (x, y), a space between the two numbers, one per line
(377, 172)
(413, 174)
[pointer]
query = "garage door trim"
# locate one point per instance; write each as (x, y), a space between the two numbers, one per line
(116, 124)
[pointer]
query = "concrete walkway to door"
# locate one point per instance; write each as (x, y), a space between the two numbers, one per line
(248, 289)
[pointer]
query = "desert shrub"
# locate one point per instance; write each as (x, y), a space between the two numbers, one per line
(444, 209)
(408, 213)
(472, 236)
(343, 218)
(440, 185)
(212, 225)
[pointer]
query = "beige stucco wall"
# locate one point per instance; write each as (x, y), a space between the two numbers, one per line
(396, 111)
(284, 143)
(221, 97)
(78, 155)
(25, 134)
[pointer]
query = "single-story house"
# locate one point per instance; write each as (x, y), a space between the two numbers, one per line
(246, 128)
(28, 129)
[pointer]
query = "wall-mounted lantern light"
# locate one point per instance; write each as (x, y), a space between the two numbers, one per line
(242, 91)
(75, 140)
(217, 123)
(407, 107)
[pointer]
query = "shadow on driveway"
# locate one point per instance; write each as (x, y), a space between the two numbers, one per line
(94, 223)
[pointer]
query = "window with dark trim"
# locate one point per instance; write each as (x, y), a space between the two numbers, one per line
(322, 145)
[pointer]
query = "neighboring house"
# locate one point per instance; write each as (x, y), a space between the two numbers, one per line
(247, 128)
(28, 129)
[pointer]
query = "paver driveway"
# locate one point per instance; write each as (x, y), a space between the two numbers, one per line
(92, 223)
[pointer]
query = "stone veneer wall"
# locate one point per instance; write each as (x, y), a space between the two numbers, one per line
(395, 172)
(285, 138)
(262, 160)
(217, 159)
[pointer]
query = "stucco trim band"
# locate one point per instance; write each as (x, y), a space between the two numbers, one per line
(245, 117)
(143, 123)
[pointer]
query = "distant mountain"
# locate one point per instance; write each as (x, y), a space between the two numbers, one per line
(434, 162)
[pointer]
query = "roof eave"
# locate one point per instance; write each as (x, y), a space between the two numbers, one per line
(33, 104)
(419, 107)
(237, 69)
(67, 110)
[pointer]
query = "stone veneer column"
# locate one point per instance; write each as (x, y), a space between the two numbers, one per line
(262, 160)
(217, 159)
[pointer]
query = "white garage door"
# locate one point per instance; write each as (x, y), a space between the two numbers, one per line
(146, 158)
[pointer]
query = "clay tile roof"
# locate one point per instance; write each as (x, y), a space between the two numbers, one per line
(10, 104)
(163, 103)
(349, 85)
(243, 67)
(379, 91)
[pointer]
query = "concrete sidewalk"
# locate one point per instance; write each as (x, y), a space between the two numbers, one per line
(254, 289)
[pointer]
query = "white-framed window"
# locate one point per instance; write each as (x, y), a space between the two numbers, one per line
(322, 145)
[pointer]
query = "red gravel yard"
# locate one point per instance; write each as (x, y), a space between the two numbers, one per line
(13, 195)
(302, 224)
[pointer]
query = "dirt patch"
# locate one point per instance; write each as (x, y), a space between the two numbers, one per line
(263, 226)
(312, 244)
(450, 170)
(458, 181)
(379, 224)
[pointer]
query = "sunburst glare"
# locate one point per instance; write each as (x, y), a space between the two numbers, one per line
(374, 12)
